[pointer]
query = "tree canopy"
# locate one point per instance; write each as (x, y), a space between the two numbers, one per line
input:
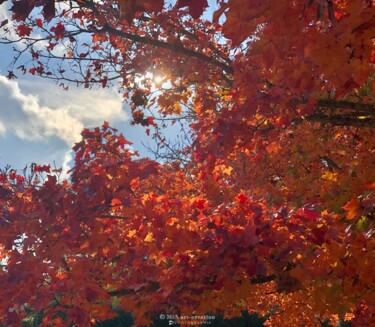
(267, 207)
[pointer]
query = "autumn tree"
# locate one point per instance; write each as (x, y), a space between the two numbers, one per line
(268, 208)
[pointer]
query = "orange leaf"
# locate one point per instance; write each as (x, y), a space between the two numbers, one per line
(273, 147)
(352, 208)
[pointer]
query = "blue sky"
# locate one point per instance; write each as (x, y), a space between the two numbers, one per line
(40, 122)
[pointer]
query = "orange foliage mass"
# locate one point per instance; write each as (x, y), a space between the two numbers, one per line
(271, 212)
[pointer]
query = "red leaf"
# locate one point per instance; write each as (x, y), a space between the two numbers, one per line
(150, 168)
(104, 81)
(150, 121)
(200, 204)
(242, 198)
(132, 7)
(39, 22)
(24, 30)
(309, 214)
(22, 9)
(49, 10)
(51, 45)
(105, 126)
(40, 169)
(51, 181)
(59, 30)
(34, 54)
(196, 7)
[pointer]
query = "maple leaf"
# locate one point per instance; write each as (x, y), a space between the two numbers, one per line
(59, 30)
(242, 198)
(147, 168)
(353, 208)
(245, 211)
(200, 204)
(273, 147)
(149, 237)
(196, 7)
(49, 10)
(104, 81)
(41, 168)
(22, 9)
(39, 22)
(24, 30)
(131, 7)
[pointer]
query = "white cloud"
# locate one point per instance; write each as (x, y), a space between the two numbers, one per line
(54, 112)
(4, 13)
(23, 116)
(90, 107)
(67, 164)
(59, 50)
(2, 129)
(39, 122)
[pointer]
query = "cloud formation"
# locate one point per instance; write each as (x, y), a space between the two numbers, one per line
(44, 117)
(23, 116)
(4, 13)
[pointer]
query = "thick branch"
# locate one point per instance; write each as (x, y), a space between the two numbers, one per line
(342, 113)
(122, 292)
(191, 35)
(161, 44)
(155, 286)
(113, 217)
(342, 120)
(326, 103)
(262, 279)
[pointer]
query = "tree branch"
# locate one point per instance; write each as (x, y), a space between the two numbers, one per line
(161, 44)
(326, 103)
(113, 217)
(342, 113)
(262, 279)
(156, 286)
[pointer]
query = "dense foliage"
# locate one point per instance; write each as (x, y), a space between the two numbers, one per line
(267, 207)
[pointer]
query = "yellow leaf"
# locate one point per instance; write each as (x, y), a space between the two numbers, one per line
(131, 233)
(134, 183)
(149, 237)
(228, 170)
(329, 176)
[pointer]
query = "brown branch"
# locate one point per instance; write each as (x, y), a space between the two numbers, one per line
(123, 292)
(340, 120)
(340, 113)
(262, 279)
(326, 103)
(156, 286)
(191, 35)
(161, 44)
(113, 217)
(153, 287)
